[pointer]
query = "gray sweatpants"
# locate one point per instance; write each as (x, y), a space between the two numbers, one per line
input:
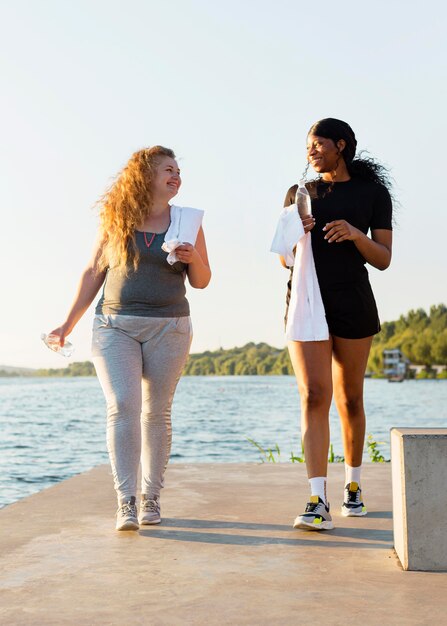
(139, 361)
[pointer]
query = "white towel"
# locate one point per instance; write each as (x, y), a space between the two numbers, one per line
(306, 319)
(184, 227)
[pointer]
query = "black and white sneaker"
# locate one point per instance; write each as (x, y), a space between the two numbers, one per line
(352, 505)
(316, 516)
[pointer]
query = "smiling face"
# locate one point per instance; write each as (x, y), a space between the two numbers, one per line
(323, 154)
(167, 179)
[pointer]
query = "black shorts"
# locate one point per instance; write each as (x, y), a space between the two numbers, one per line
(351, 310)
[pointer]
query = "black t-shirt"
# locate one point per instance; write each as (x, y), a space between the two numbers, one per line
(364, 204)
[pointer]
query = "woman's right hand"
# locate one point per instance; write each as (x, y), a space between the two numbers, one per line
(61, 332)
(308, 222)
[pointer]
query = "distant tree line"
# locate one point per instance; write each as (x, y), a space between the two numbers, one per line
(80, 368)
(421, 337)
(252, 359)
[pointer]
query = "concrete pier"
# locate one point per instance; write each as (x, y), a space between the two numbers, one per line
(225, 553)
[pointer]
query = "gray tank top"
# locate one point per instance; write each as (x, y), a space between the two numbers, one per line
(156, 289)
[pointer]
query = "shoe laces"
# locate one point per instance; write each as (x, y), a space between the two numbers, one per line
(352, 496)
(150, 506)
(127, 508)
(312, 506)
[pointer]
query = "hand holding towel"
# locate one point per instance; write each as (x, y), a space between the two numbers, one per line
(184, 227)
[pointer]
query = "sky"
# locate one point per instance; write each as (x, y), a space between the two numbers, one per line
(233, 88)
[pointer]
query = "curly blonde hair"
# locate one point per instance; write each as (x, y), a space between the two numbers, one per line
(125, 206)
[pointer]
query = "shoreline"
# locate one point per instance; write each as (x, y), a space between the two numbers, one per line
(75, 376)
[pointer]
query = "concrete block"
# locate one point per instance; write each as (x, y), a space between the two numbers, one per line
(419, 478)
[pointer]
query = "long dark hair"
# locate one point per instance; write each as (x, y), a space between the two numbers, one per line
(361, 166)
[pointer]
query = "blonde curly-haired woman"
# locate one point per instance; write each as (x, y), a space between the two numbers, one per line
(142, 329)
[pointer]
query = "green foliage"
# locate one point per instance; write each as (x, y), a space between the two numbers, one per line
(298, 459)
(335, 458)
(252, 359)
(268, 455)
(439, 349)
(422, 338)
(374, 451)
(424, 375)
(5, 374)
(80, 368)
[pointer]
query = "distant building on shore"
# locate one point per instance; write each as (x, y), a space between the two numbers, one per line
(395, 364)
(416, 370)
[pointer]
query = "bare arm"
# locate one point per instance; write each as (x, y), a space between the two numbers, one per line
(89, 285)
(375, 250)
(196, 257)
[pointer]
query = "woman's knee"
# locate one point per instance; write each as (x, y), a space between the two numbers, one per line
(122, 407)
(156, 415)
(315, 396)
(350, 404)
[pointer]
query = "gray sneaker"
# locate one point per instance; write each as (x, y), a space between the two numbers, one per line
(126, 516)
(353, 504)
(150, 510)
(316, 516)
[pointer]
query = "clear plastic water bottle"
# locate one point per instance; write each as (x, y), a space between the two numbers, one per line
(52, 342)
(302, 200)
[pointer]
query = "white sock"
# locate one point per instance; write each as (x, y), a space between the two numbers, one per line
(318, 487)
(352, 474)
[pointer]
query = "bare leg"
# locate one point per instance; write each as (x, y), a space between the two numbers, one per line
(350, 357)
(311, 362)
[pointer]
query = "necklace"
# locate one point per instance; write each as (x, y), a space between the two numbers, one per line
(149, 243)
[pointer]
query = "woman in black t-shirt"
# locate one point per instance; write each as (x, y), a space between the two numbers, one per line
(349, 198)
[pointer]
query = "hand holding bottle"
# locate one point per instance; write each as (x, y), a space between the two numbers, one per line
(303, 203)
(55, 340)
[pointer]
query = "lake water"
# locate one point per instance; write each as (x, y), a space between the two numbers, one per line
(53, 428)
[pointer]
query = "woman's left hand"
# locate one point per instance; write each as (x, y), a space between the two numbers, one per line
(341, 230)
(308, 223)
(186, 253)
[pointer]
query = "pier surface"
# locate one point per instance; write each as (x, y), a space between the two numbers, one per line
(225, 553)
